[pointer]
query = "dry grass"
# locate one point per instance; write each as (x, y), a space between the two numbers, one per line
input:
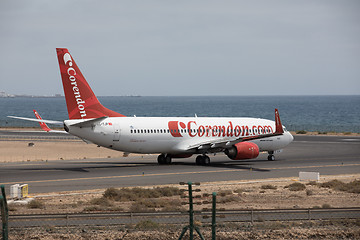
(268, 186)
(296, 187)
(141, 200)
(351, 187)
(134, 194)
(36, 204)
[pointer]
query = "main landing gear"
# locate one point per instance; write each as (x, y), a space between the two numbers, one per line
(164, 159)
(271, 156)
(202, 160)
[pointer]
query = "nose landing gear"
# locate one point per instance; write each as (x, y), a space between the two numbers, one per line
(271, 156)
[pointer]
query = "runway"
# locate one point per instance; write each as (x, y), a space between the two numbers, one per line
(329, 155)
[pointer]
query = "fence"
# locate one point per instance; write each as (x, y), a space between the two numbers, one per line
(179, 218)
(38, 138)
(4, 214)
(66, 223)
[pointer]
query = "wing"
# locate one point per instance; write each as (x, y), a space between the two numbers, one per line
(222, 143)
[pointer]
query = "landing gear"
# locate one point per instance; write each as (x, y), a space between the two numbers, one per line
(164, 159)
(271, 156)
(202, 160)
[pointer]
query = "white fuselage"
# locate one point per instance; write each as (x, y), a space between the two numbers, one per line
(177, 135)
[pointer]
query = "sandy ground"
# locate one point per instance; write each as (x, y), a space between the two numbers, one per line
(17, 151)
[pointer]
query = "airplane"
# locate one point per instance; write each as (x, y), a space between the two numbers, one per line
(171, 137)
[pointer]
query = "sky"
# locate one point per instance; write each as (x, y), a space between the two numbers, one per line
(183, 48)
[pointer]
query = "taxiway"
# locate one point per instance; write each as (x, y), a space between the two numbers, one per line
(329, 155)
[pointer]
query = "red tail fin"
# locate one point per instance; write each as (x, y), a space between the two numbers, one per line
(80, 99)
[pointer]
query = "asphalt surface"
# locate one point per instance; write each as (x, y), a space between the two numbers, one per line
(329, 155)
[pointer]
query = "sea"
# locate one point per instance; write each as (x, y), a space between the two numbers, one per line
(308, 113)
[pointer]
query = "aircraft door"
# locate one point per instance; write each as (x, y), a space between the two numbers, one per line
(116, 133)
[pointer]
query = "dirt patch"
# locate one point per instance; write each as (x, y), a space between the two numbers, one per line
(344, 229)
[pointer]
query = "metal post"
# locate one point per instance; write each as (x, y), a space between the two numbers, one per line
(252, 217)
(4, 214)
(67, 223)
(191, 211)
(191, 226)
(213, 217)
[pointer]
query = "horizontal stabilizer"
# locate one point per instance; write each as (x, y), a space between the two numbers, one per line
(88, 123)
(38, 120)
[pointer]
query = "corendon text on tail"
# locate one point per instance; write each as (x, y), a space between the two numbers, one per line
(72, 73)
(170, 137)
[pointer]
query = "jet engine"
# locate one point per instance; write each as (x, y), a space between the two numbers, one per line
(243, 150)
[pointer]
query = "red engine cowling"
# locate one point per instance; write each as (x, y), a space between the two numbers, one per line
(243, 150)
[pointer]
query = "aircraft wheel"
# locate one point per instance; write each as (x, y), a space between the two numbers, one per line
(271, 157)
(161, 159)
(206, 160)
(202, 160)
(198, 160)
(167, 160)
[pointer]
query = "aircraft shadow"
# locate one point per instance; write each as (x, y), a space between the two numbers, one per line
(88, 166)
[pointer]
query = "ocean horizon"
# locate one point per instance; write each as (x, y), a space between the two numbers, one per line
(325, 113)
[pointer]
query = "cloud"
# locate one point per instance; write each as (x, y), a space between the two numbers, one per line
(185, 47)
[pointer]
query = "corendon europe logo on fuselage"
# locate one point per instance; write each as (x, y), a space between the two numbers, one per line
(177, 129)
(72, 73)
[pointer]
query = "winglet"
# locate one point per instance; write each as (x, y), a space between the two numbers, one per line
(278, 126)
(43, 125)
